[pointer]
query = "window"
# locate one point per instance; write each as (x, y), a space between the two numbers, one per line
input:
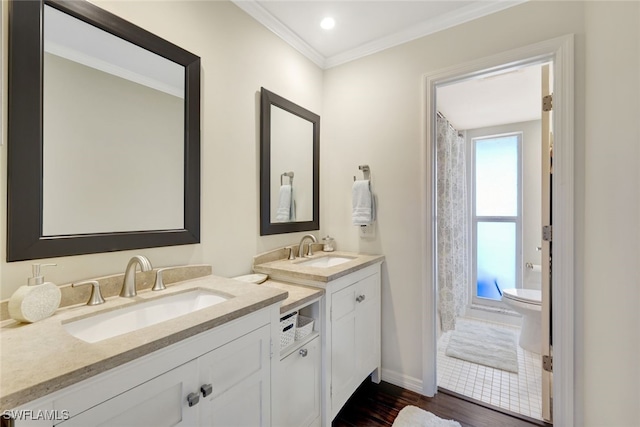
(496, 215)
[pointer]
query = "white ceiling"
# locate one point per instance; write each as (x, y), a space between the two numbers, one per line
(362, 27)
(510, 97)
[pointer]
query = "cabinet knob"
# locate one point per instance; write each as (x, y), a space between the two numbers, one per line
(193, 399)
(360, 298)
(303, 352)
(206, 390)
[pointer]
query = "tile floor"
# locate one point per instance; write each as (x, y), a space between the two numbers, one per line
(520, 393)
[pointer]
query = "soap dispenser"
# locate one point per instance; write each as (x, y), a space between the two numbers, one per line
(36, 300)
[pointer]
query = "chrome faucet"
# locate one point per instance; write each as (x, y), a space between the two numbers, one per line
(129, 282)
(301, 245)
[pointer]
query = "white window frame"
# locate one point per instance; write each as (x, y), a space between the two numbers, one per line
(474, 219)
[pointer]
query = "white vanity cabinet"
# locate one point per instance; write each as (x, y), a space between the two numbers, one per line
(221, 377)
(348, 318)
(353, 334)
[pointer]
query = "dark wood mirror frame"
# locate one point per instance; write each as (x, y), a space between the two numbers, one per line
(267, 99)
(25, 129)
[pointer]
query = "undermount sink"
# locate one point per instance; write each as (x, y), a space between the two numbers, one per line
(133, 317)
(326, 261)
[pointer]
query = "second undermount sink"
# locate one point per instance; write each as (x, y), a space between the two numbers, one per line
(325, 261)
(133, 317)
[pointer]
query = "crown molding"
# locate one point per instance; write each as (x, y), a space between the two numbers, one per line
(473, 11)
(442, 22)
(260, 14)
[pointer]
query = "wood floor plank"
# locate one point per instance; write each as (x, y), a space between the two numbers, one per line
(377, 405)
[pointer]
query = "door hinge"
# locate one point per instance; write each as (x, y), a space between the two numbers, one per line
(270, 348)
(547, 233)
(331, 314)
(547, 103)
(547, 363)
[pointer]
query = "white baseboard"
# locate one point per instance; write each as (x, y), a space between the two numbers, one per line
(402, 380)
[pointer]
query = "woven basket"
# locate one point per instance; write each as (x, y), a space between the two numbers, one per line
(288, 329)
(304, 327)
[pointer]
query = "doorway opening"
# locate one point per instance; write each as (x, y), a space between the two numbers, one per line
(557, 395)
(488, 199)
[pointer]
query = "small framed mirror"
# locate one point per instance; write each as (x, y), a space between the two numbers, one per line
(289, 166)
(103, 134)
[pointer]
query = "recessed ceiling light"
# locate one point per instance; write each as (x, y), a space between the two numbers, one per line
(328, 23)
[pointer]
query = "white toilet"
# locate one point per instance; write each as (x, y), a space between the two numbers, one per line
(527, 302)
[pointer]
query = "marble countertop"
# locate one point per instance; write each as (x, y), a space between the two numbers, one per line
(291, 270)
(41, 358)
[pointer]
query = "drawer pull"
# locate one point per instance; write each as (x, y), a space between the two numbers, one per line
(303, 352)
(193, 399)
(206, 390)
(360, 298)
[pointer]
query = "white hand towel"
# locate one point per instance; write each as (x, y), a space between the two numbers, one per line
(363, 203)
(283, 214)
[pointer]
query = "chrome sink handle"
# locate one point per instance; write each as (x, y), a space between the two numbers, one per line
(159, 283)
(96, 295)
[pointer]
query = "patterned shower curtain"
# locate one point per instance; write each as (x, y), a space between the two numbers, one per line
(452, 224)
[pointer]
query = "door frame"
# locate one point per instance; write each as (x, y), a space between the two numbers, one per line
(560, 51)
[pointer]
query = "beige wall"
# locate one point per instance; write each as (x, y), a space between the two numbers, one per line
(238, 57)
(371, 113)
(611, 205)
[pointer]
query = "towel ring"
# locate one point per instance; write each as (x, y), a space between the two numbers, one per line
(288, 174)
(366, 171)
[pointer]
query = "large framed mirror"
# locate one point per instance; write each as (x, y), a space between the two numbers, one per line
(103, 134)
(289, 166)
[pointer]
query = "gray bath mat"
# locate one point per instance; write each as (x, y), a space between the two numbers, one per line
(485, 345)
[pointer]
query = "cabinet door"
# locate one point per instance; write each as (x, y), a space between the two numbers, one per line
(159, 402)
(367, 326)
(343, 346)
(239, 374)
(299, 394)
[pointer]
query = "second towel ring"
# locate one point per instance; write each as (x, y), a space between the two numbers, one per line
(366, 171)
(288, 174)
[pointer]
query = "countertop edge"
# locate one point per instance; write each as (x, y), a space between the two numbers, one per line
(286, 272)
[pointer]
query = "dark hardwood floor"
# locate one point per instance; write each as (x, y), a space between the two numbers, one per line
(377, 405)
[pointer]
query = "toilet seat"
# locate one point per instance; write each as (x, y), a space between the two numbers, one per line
(526, 296)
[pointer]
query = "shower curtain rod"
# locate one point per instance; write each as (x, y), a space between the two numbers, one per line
(439, 114)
